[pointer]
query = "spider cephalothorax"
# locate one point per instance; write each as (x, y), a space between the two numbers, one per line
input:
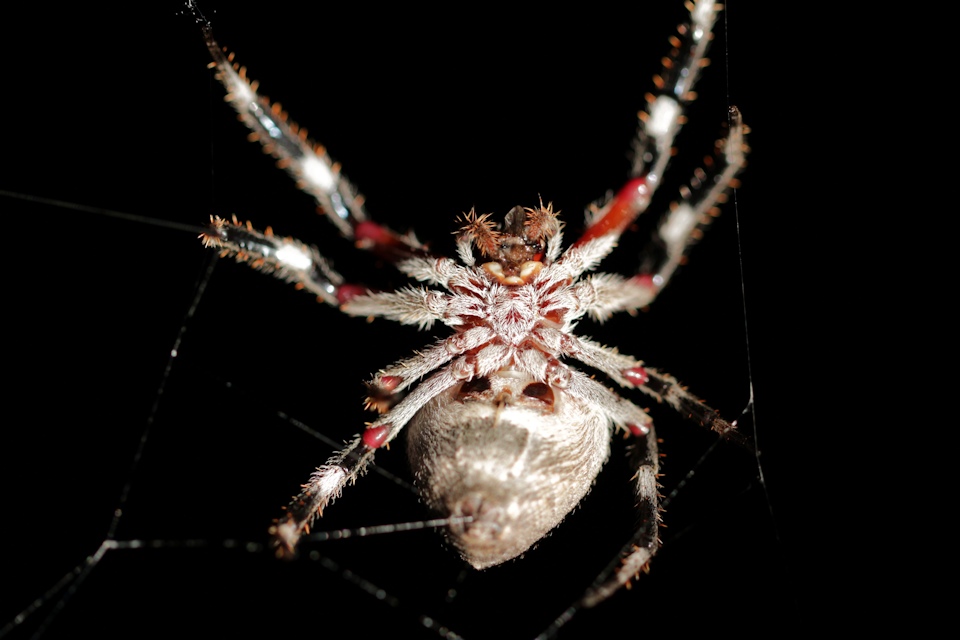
(504, 434)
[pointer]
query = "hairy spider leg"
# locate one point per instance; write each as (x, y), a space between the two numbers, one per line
(293, 261)
(645, 458)
(684, 223)
(660, 122)
(678, 230)
(305, 161)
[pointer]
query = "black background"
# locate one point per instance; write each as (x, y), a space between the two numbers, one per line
(113, 107)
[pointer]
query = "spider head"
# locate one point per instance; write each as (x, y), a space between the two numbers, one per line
(515, 250)
(511, 455)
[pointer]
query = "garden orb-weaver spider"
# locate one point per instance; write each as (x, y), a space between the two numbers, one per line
(245, 317)
(503, 434)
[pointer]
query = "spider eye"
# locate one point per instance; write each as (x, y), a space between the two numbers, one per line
(540, 391)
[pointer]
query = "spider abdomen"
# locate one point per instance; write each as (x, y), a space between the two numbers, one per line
(514, 454)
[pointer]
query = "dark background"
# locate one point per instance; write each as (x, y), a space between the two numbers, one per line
(113, 107)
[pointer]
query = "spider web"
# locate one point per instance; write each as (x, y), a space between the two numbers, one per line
(131, 121)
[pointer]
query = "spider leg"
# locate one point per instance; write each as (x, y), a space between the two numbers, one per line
(293, 261)
(630, 372)
(324, 486)
(636, 556)
(659, 123)
(327, 482)
(666, 388)
(684, 223)
(305, 161)
(645, 456)
(410, 305)
(422, 306)
(285, 258)
(620, 411)
(604, 294)
(395, 379)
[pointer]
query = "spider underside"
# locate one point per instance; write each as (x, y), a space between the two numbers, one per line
(503, 434)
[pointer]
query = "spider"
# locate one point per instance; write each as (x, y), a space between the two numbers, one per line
(504, 435)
